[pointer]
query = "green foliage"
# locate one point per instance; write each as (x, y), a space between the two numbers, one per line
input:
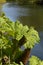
(6, 31)
(18, 64)
(15, 30)
(13, 35)
(35, 61)
(32, 38)
(30, 34)
(14, 63)
(18, 54)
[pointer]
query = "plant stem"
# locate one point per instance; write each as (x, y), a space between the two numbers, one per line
(25, 56)
(17, 44)
(22, 41)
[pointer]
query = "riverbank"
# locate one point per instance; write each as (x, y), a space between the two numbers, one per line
(24, 2)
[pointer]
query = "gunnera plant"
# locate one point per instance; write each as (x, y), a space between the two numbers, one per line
(34, 60)
(14, 35)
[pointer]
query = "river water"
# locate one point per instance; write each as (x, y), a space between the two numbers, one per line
(31, 16)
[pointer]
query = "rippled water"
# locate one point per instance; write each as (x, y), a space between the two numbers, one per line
(32, 16)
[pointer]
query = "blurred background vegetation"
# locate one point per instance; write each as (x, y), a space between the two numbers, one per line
(24, 1)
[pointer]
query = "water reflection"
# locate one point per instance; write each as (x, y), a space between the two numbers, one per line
(14, 12)
(34, 19)
(30, 16)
